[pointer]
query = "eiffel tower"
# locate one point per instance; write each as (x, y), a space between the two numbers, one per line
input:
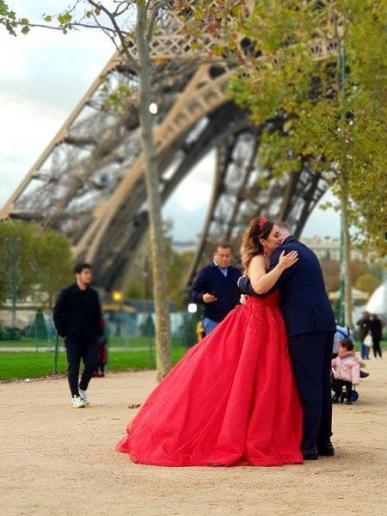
(88, 182)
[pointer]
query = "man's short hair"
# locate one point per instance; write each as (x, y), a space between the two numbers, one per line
(223, 246)
(282, 224)
(79, 267)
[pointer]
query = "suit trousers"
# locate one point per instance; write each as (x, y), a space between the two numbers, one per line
(77, 351)
(311, 355)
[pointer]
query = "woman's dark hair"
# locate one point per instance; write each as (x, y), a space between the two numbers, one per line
(259, 227)
(79, 267)
(347, 343)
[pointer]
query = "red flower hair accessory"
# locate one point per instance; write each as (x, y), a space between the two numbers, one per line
(262, 222)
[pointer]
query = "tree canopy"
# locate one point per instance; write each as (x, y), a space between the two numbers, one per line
(41, 259)
(319, 69)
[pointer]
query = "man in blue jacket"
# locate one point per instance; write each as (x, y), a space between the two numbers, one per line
(216, 287)
(310, 326)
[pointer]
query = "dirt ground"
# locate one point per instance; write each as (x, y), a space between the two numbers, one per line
(59, 460)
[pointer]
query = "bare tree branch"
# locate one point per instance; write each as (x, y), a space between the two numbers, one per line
(119, 32)
(127, 5)
(70, 26)
(109, 33)
(151, 24)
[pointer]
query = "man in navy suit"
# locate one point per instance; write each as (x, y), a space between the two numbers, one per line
(310, 326)
(216, 287)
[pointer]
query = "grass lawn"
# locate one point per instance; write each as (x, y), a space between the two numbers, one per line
(32, 365)
(15, 365)
(139, 341)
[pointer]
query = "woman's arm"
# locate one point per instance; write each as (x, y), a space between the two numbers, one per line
(263, 281)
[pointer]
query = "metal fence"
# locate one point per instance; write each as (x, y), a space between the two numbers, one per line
(127, 334)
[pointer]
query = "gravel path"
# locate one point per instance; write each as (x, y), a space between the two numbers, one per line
(58, 460)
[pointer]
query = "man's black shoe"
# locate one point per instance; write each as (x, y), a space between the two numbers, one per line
(364, 374)
(310, 454)
(326, 450)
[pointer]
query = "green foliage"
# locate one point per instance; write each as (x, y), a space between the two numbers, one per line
(330, 269)
(328, 120)
(177, 268)
(10, 21)
(367, 283)
(52, 262)
(7, 18)
(133, 291)
(361, 272)
(64, 18)
(43, 260)
(140, 283)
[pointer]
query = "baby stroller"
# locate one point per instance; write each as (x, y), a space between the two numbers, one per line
(340, 393)
(344, 390)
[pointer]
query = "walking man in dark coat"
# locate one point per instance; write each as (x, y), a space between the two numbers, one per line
(77, 318)
(376, 328)
(310, 326)
(364, 324)
(216, 287)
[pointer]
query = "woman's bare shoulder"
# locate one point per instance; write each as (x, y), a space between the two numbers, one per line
(258, 258)
(257, 261)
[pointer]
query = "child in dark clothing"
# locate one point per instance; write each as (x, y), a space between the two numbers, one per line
(102, 351)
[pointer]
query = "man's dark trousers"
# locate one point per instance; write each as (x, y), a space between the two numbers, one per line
(77, 351)
(311, 355)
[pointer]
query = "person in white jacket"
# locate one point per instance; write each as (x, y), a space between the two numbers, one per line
(346, 371)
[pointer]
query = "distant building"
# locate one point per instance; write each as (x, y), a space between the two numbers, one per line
(182, 246)
(328, 248)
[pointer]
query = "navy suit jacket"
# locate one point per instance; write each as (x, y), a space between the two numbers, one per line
(212, 281)
(304, 301)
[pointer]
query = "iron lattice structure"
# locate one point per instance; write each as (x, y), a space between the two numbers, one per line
(88, 183)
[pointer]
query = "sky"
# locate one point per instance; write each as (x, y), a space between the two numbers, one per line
(43, 75)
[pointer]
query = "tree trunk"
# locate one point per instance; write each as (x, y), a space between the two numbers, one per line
(344, 176)
(156, 240)
(346, 264)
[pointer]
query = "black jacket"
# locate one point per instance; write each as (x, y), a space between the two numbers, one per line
(212, 281)
(77, 314)
(364, 327)
(304, 301)
(376, 329)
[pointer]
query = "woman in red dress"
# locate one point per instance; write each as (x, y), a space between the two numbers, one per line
(232, 399)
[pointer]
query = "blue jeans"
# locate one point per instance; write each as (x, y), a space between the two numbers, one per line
(364, 351)
(209, 325)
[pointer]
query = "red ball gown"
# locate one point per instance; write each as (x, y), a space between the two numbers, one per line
(231, 400)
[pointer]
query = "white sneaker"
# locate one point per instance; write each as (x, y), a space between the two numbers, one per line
(77, 402)
(84, 398)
